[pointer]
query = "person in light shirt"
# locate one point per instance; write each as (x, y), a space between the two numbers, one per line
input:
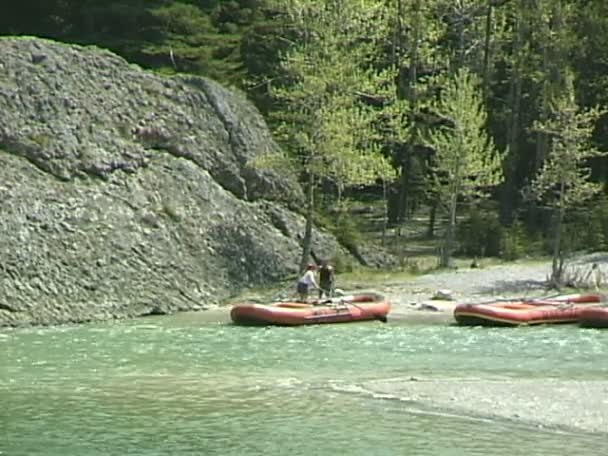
(306, 282)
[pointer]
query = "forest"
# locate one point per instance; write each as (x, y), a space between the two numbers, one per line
(487, 116)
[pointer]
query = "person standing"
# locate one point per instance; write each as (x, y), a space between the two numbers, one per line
(306, 282)
(326, 280)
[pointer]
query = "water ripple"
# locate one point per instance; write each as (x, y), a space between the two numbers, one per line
(177, 386)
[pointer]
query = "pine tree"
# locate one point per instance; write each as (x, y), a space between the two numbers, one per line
(466, 163)
(321, 120)
(563, 181)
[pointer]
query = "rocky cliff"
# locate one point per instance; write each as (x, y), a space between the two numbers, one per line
(125, 193)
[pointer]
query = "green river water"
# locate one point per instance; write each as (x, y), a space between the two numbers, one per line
(194, 384)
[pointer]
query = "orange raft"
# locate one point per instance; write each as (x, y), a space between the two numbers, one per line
(358, 307)
(559, 309)
(594, 317)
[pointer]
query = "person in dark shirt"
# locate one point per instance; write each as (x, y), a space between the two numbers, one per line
(326, 280)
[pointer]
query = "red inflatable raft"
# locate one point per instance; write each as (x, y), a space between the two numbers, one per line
(359, 307)
(594, 317)
(559, 309)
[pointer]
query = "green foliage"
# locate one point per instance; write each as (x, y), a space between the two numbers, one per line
(321, 119)
(277, 161)
(583, 232)
(563, 180)
(588, 229)
(514, 243)
(466, 164)
(201, 37)
(480, 235)
(190, 41)
(347, 232)
(601, 221)
(341, 223)
(342, 263)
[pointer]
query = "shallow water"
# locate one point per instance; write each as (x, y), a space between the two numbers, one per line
(194, 384)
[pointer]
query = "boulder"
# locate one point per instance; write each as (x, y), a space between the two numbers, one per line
(127, 193)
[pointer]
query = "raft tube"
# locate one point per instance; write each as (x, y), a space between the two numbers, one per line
(559, 309)
(358, 307)
(594, 317)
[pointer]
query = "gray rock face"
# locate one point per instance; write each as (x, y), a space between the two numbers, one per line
(125, 193)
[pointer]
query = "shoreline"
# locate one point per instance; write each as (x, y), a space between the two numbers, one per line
(412, 299)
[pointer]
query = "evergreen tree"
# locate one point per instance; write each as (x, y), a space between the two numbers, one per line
(412, 35)
(466, 163)
(563, 181)
(321, 119)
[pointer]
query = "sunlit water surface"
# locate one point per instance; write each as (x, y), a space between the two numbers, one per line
(194, 385)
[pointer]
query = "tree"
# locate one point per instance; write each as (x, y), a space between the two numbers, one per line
(563, 181)
(321, 119)
(413, 35)
(590, 62)
(466, 163)
(516, 58)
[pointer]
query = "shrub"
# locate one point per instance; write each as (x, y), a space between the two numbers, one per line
(480, 235)
(342, 263)
(513, 242)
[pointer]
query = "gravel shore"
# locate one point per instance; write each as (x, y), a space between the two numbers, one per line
(414, 298)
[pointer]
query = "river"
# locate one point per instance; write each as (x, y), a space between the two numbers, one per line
(194, 384)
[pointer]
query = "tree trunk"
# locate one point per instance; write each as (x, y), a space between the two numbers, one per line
(413, 98)
(385, 208)
(411, 92)
(307, 241)
(448, 246)
(430, 232)
(541, 137)
(554, 62)
(508, 193)
(403, 189)
(402, 92)
(461, 51)
(486, 53)
(558, 261)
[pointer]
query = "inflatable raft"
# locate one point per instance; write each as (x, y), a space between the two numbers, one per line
(594, 317)
(358, 307)
(559, 309)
